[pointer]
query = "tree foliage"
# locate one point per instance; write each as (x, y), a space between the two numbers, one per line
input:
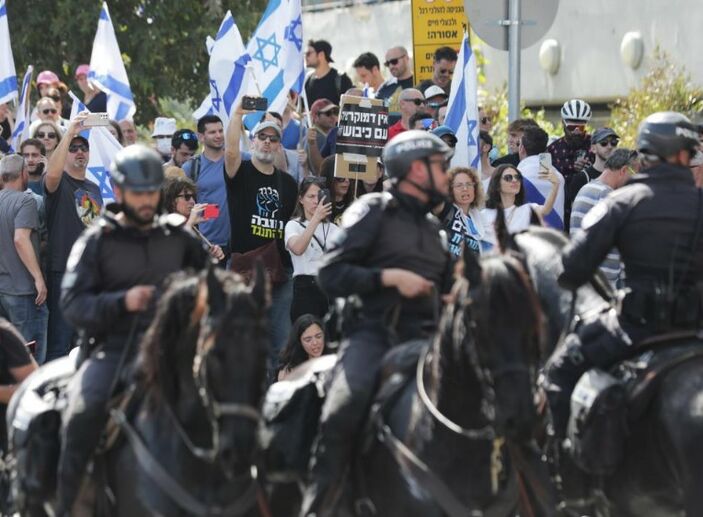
(162, 41)
(666, 87)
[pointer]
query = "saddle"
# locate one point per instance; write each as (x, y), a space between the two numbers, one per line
(606, 404)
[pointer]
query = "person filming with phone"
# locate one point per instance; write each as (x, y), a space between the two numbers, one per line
(308, 235)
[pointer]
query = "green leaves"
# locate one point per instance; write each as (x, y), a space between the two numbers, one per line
(162, 41)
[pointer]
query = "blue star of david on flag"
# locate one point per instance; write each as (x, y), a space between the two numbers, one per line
(260, 54)
(294, 32)
(472, 125)
(100, 174)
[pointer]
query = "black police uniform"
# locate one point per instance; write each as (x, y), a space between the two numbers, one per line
(389, 230)
(106, 261)
(652, 221)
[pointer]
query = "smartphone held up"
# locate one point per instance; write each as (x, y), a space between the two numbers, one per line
(255, 103)
(211, 211)
(545, 164)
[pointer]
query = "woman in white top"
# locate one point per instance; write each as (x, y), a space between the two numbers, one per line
(506, 191)
(307, 236)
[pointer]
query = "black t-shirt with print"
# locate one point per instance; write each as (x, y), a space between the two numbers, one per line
(260, 205)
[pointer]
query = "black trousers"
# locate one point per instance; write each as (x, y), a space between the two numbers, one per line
(308, 298)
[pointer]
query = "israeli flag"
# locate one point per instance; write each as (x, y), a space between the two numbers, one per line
(276, 50)
(107, 71)
(537, 190)
(462, 109)
(8, 76)
(226, 70)
(103, 148)
(76, 108)
(21, 131)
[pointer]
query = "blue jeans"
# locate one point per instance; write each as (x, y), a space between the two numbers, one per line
(60, 332)
(279, 316)
(29, 319)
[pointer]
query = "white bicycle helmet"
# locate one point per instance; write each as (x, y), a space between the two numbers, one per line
(576, 109)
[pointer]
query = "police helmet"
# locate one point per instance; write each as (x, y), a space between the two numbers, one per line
(137, 168)
(409, 146)
(666, 133)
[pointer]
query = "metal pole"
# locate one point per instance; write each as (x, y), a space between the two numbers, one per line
(514, 60)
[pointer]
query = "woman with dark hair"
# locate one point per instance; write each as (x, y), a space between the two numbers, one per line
(178, 196)
(506, 191)
(305, 341)
(116, 131)
(462, 218)
(307, 237)
(341, 189)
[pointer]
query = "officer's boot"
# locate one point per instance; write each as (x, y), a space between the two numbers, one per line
(561, 374)
(326, 481)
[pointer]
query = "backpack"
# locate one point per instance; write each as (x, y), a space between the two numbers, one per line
(194, 168)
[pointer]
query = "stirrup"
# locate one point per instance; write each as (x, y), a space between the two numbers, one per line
(364, 507)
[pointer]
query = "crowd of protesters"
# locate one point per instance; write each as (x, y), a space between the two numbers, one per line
(272, 192)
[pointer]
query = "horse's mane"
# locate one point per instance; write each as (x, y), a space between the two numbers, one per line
(171, 334)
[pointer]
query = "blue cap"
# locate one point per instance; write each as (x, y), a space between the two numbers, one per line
(443, 131)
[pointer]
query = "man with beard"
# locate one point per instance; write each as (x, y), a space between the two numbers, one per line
(570, 152)
(261, 201)
(114, 276)
(206, 170)
(71, 203)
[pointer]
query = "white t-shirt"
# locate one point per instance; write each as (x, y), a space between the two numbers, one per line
(309, 262)
(517, 218)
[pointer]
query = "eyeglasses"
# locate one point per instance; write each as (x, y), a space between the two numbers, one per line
(416, 102)
(612, 143)
(74, 148)
(394, 61)
(49, 110)
(187, 197)
(274, 139)
(41, 134)
(462, 186)
(509, 178)
(330, 113)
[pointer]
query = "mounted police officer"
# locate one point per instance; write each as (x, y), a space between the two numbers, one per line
(391, 255)
(112, 281)
(655, 222)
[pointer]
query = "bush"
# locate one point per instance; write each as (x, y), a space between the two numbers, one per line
(666, 87)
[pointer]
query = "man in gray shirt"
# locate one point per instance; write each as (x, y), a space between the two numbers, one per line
(621, 164)
(22, 287)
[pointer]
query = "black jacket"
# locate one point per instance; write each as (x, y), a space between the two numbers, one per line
(651, 221)
(108, 259)
(387, 230)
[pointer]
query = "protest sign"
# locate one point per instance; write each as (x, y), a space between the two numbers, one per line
(362, 133)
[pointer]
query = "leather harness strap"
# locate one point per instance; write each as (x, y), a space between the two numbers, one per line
(172, 487)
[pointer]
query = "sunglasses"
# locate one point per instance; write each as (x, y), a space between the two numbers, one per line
(41, 134)
(187, 197)
(612, 142)
(485, 120)
(313, 181)
(330, 113)
(274, 139)
(509, 178)
(187, 136)
(394, 61)
(74, 148)
(416, 102)
(435, 105)
(47, 111)
(576, 127)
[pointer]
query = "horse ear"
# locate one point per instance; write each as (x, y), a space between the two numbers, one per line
(216, 298)
(505, 239)
(260, 286)
(472, 267)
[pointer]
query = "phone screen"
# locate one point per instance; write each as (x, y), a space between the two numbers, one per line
(545, 163)
(211, 212)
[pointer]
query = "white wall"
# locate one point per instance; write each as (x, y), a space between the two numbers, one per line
(589, 33)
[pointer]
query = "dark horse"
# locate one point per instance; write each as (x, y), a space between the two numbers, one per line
(662, 471)
(188, 431)
(471, 394)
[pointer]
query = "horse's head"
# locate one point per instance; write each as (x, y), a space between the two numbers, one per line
(230, 360)
(504, 313)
